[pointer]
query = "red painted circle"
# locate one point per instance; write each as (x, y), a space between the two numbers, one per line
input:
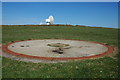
(5, 49)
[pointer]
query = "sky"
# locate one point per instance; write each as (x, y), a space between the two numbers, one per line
(0, 13)
(60, 0)
(97, 14)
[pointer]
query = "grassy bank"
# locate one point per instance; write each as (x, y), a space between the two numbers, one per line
(105, 67)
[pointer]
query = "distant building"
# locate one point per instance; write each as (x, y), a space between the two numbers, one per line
(50, 20)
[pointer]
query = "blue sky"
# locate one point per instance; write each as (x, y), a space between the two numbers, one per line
(60, 0)
(99, 14)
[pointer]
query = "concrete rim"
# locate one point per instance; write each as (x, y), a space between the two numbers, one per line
(5, 49)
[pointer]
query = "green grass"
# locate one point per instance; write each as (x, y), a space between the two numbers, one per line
(105, 67)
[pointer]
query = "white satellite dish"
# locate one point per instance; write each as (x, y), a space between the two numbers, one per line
(50, 20)
(40, 23)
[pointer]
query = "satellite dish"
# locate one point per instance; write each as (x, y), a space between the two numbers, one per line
(50, 20)
(40, 23)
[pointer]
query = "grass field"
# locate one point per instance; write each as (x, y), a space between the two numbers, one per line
(105, 67)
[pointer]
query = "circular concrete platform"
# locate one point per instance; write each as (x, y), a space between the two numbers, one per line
(39, 49)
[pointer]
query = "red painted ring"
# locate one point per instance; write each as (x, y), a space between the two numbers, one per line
(5, 49)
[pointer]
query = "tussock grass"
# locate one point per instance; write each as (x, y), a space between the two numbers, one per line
(105, 67)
